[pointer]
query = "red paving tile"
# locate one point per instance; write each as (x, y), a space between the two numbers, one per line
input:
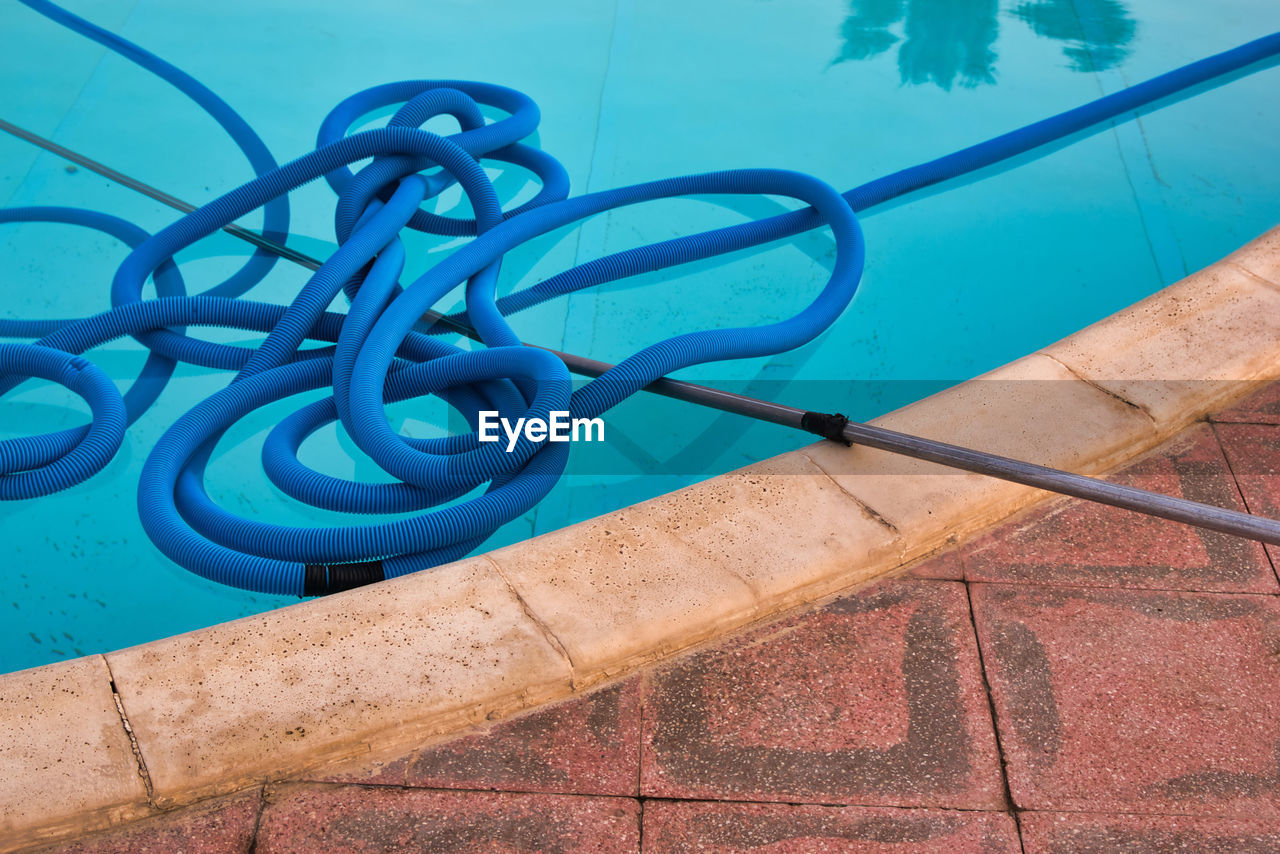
(1254, 453)
(1085, 833)
(585, 746)
(672, 826)
(216, 827)
(309, 818)
(875, 699)
(1135, 701)
(1260, 408)
(943, 567)
(1081, 543)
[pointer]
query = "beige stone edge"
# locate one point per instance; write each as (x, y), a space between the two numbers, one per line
(88, 743)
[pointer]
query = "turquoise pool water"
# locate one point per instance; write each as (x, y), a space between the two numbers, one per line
(846, 90)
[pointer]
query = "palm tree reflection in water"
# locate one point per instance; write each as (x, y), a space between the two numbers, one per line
(950, 41)
(1096, 32)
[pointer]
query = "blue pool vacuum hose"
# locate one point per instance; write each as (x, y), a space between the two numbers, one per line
(458, 489)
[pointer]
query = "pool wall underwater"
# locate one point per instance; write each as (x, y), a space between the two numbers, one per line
(956, 284)
(339, 682)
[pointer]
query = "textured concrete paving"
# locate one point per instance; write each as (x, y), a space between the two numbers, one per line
(1079, 679)
(874, 699)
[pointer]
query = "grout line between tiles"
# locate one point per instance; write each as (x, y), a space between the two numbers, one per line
(991, 709)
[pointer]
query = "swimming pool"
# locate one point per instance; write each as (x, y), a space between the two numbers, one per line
(955, 284)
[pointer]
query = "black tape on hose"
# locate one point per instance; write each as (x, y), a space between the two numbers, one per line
(827, 426)
(321, 579)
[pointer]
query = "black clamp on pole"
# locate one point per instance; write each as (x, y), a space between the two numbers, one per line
(827, 426)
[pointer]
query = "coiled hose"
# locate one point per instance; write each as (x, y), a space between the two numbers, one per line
(378, 353)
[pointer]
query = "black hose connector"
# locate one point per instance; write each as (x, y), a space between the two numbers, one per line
(827, 426)
(321, 579)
